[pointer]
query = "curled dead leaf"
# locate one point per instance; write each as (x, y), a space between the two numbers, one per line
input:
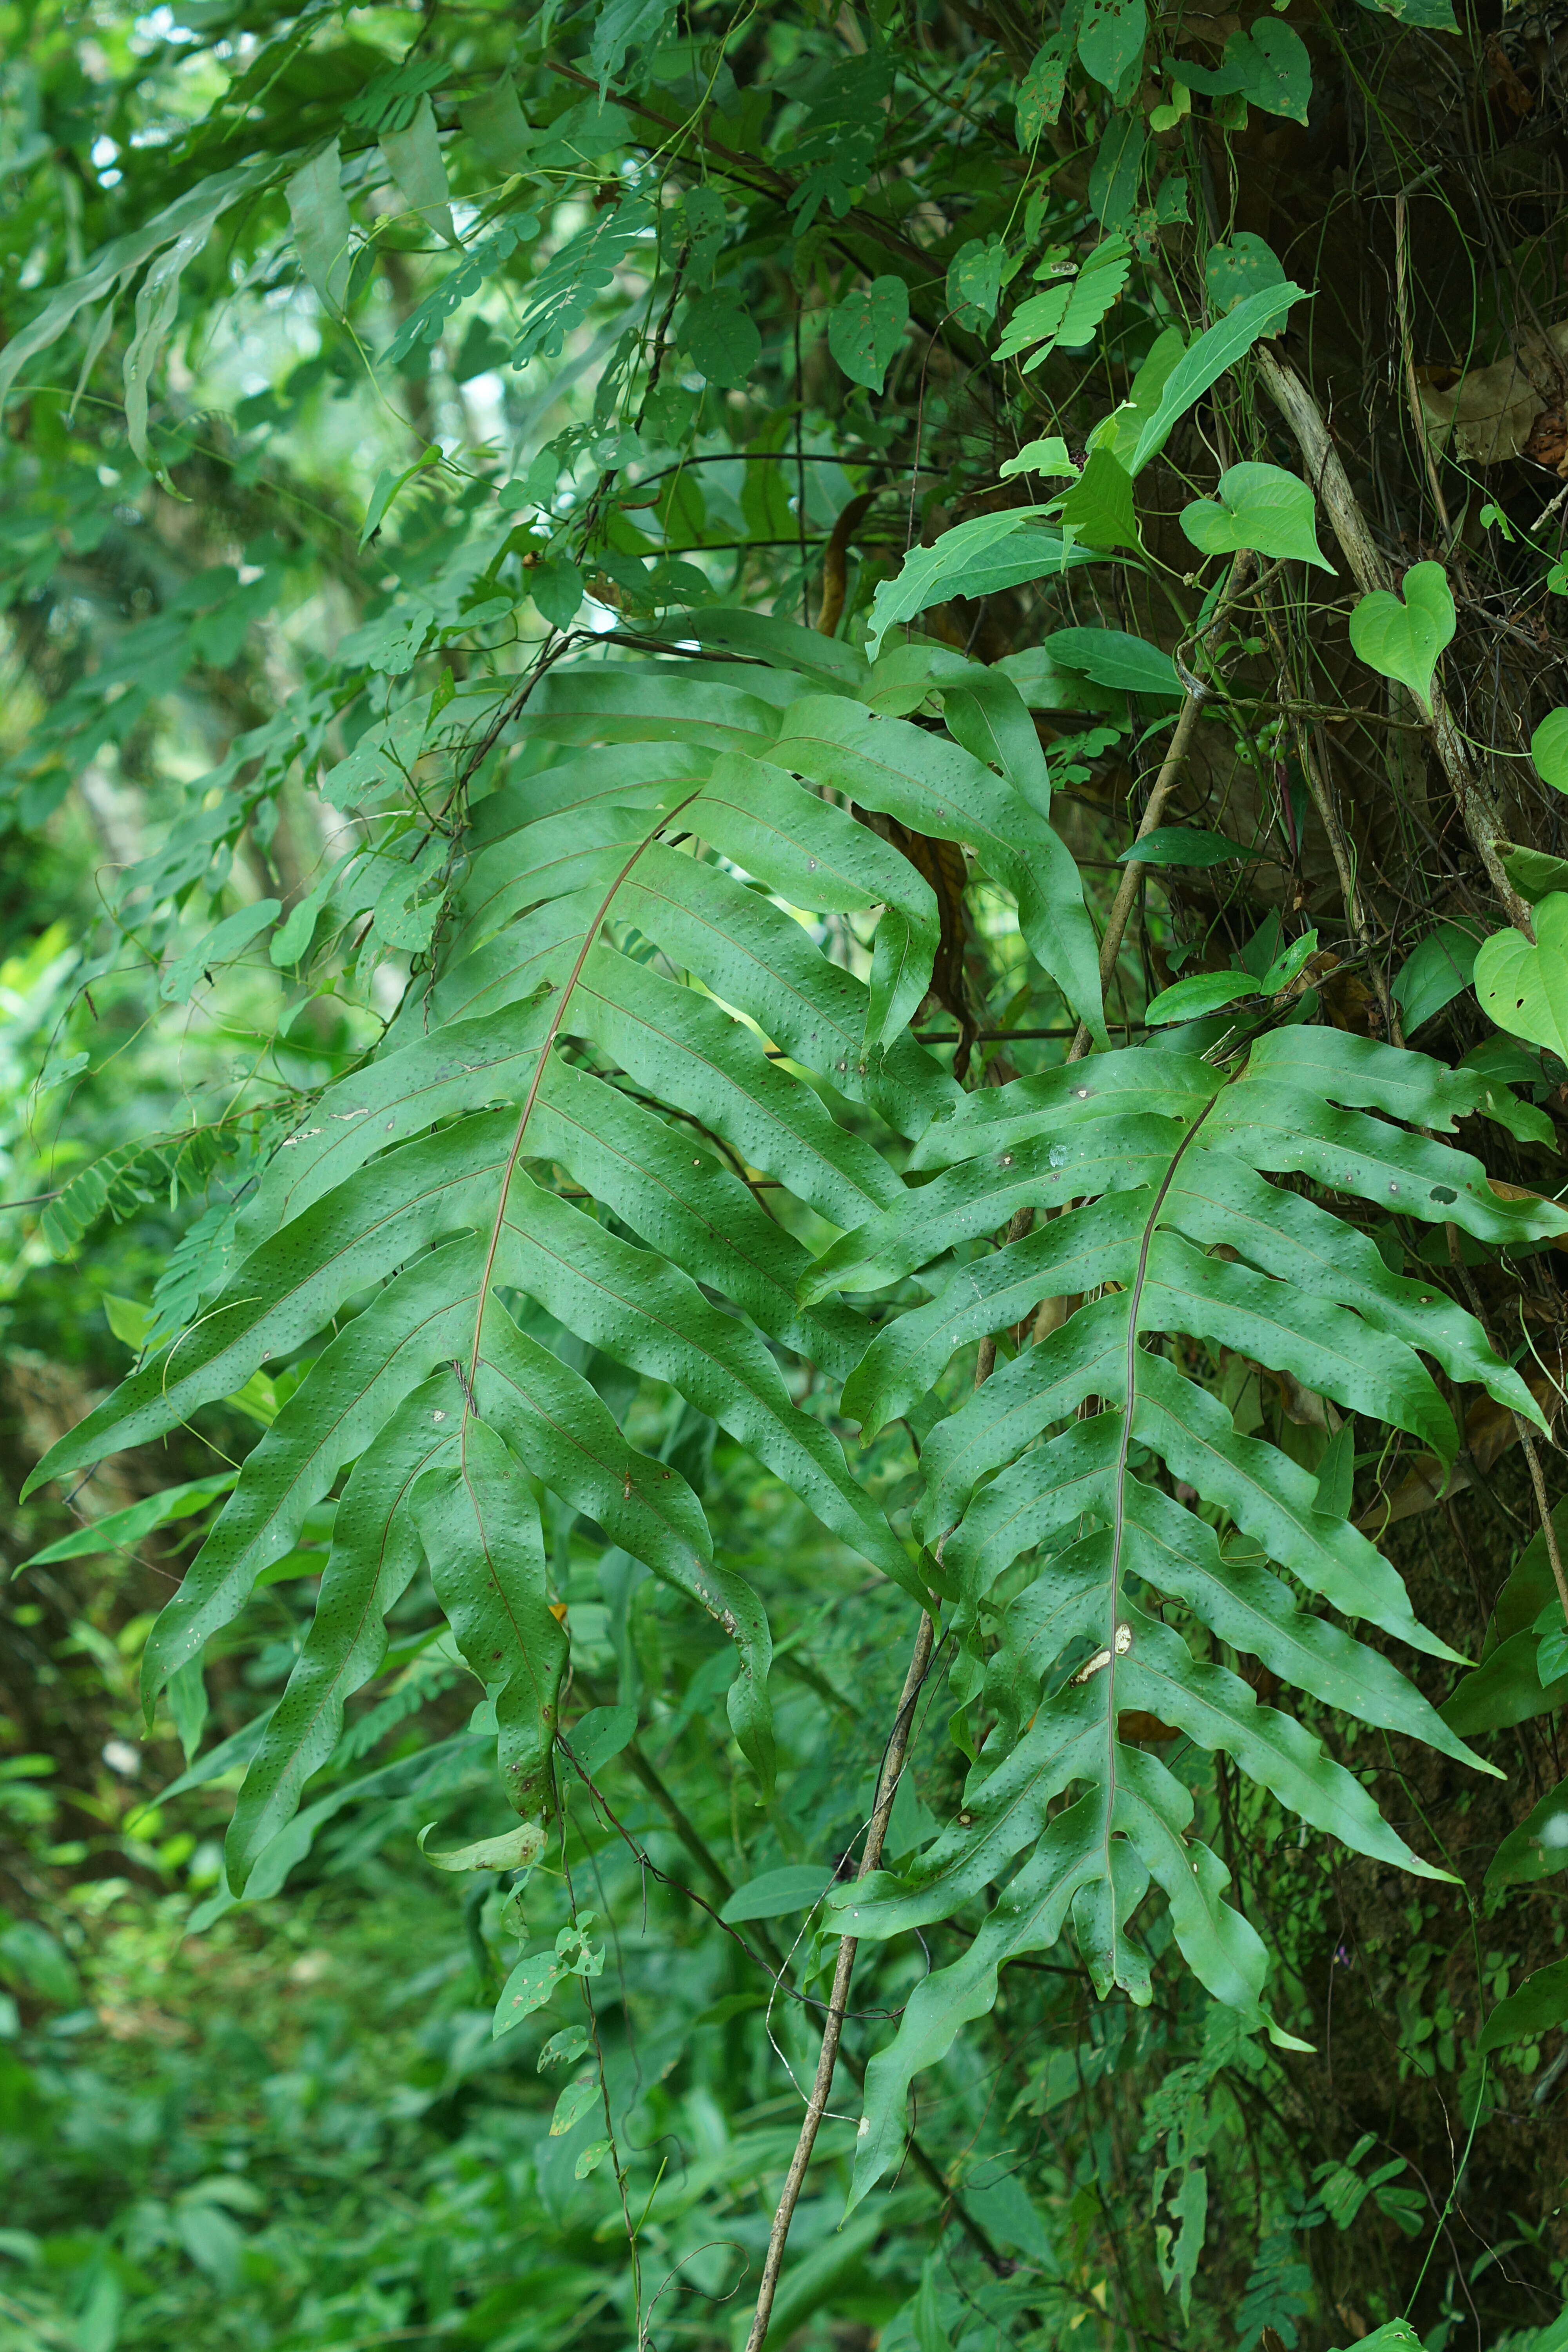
(1484, 416)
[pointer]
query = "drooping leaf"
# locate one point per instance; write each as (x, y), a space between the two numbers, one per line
(1042, 89)
(866, 329)
(1099, 506)
(323, 229)
(974, 558)
(1539, 2004)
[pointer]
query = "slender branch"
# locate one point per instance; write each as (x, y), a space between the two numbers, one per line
(1527, 1443)
(839, 2000)
(1407, 348)
(1164, 784)
(766, 1951)
(1478, 809)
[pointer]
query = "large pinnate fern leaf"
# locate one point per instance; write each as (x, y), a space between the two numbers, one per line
(523, 1069)
(627, 1006)
(1147, 1177)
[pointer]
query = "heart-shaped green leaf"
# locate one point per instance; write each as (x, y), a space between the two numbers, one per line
(1259, 507)
(722, 340)
(1524, 988)
(1549, 749)
(1402, 638)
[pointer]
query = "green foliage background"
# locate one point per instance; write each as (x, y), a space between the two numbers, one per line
(448, 450)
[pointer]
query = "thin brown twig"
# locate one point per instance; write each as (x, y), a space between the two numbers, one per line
(1478, 808)
(839, 2000)
(1164, 784)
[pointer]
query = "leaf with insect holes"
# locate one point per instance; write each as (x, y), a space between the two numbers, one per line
(1259, 507)
(1042, 90)
(1524, 988)
(563, 2049)
(573, 2105)
(867, 327)
(1110, 37)
(516, 1849)
(1401, 636)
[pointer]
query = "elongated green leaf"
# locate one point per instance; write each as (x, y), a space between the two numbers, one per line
(643, 1313)
(687, 1206)
(138, 1519)
(680, 1046)
(1071, 1254)
(290, 1288)
(320, 216)
(413, 150)
(1204, 362)
(625, 775)
(1042, 1385)
(480, 1529)
(194, 212)
(1162, 1085)
(815, 856)
(936, 788)
(1274, 1500)
(974, 558)
(668, 702)
(376, 1551)
(978, 1196)
(755, 957)
(582, 848)
(553, 1420)
(356, 1384)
